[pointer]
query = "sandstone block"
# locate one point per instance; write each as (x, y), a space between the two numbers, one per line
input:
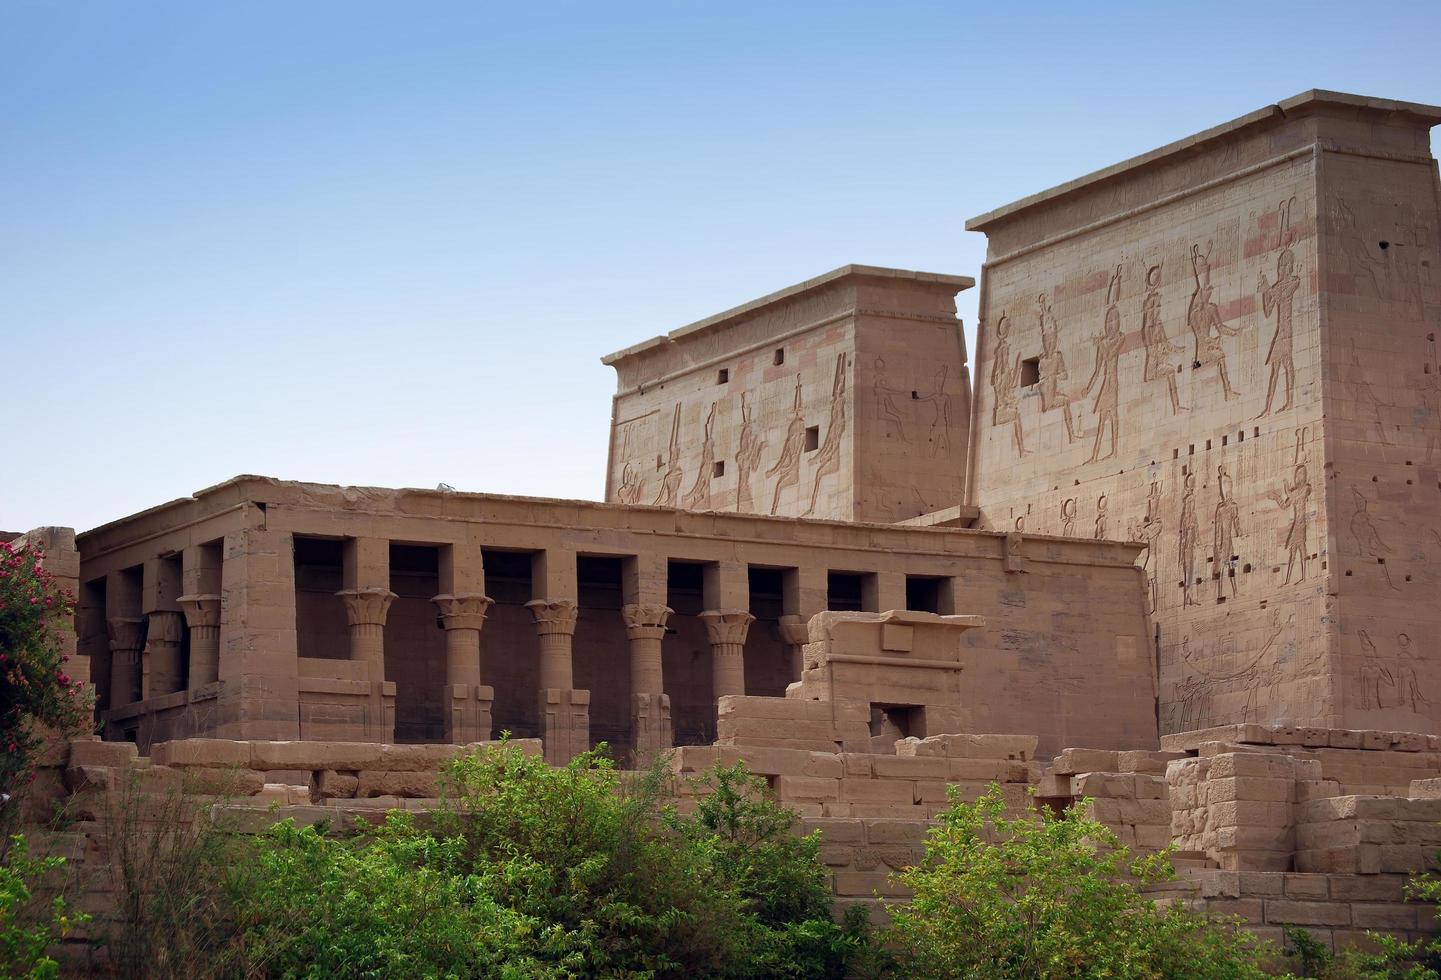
(895, 831)
(1383, 916)
(1073, 761)
(201, 752)
(1283, 911)
(86, 752)
(1308, 886)
(808, 788)
(836, 831)
(373, 784)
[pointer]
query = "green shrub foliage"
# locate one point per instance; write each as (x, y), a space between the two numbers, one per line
(27, 926)
(537, 871)
(1042, 895)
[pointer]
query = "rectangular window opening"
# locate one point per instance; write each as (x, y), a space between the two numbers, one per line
(1030, 372)
(813, 438)
(723, 376)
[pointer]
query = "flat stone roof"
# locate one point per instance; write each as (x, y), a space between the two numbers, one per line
(1428, 115)
(846, 271)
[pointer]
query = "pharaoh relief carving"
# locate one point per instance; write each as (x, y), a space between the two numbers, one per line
(1380, 264)
(939, 434)
(748, 459)
(1148, 531)
(1052, 368)
(1203, 316)
(1265, 672)
(1005, 380)
(1279, 298)
(1367, 538)
(1226, 527)
(1295, 495)
(787, 467)
(1107, 372)
(1159, 349)
(1189, 533)
(828, 460)
(698, 497)
(887, 411)
(670, 482)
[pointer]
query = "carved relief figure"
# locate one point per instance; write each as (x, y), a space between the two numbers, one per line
(940, 433)
(1159, 349)
(670, 483)
(1190, 533)
(1297, 496)
(631, 483)
(885, 397)
(1101, 504)
(698, 498)
(787, 468)
(1374, 674)
(1408, 687)
(1431, 398)
(1052, 367)
(1107, 370)
(1368, 539)
(1265, 671)
(1226, 525)
(1194, 692)
(1068, 517)
(1148, 531)
(748, 459)
(1204, 318)
(1368, 406)
(1279, 299)
(828, 460)
(1005, 378)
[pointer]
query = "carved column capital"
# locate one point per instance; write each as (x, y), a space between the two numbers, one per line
(201, 610)
(645, 620)
(366, 607)
(165, 626)
(464, 611)
(794, 630)
(554, 617)
(126, 633)
(727, 626)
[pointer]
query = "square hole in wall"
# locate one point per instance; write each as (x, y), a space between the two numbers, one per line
(1030, 372)
(813, 437)
(780, 356)
(723, 376)
(719, 469)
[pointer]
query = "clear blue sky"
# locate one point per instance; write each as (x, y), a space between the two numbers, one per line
(385, 244)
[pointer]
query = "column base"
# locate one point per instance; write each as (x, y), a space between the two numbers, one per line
(564, 724)
(650, 728)
(467, 715)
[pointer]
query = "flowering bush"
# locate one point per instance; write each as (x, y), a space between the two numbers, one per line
(35, 690)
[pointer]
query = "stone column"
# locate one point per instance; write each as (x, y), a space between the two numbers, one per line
(365, 611)
(467, 702)
(127, 639)
(259, 692)
(564, 711)
(202, 615)
(163, 673)
(805, 593)
(650, 723)
(727, 629)
(555, 625)
(883, 591)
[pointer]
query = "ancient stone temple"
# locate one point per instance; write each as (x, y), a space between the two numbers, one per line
(1178, 551)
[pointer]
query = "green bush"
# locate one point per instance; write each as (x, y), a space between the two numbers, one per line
(537, 871)
(1047, 896)
(26, 932)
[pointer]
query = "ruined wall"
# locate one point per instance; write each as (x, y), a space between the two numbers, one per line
(843, 397)
(1154, 364)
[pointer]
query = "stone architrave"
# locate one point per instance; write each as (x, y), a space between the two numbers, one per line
(127, 639)
(365, 611)
(650, 723)
(555, 625)
(162, 669)
(726, 629)
(202, 615)
(467, 701)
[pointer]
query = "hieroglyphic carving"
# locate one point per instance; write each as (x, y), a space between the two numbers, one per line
(885, 399)
(748, 459)
(1052, 367)
(1068, 517)
(1101, 504)
(1368, 539)
(1226, 527)
(1203, 316)
(940, 431)
(787, 468)
(828, 460)
(1388, 682)
(698, 497)
(1005, 379)
(1159, 349)
(1107, 370)
(1189, 533)
(670, 482)
(1280, 299)
(1148, 531)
